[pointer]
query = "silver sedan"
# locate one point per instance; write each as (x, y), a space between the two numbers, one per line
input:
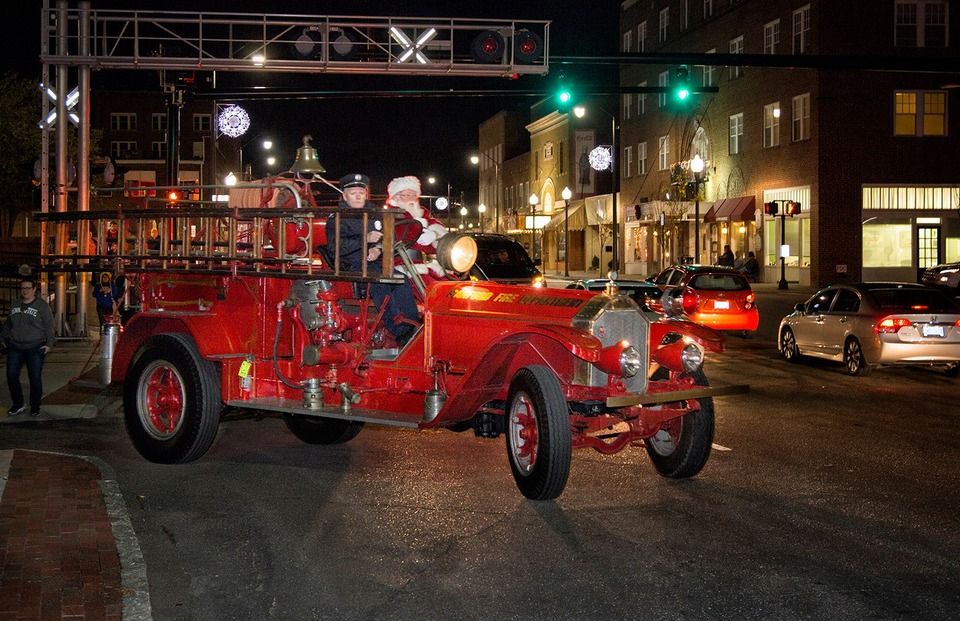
(865, 325)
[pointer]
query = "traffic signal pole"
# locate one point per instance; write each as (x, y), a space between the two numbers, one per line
(782, 283)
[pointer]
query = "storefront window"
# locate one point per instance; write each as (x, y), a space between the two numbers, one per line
(797, 236)
(887, 245)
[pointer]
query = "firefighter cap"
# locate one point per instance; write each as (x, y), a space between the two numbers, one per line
(355, 180)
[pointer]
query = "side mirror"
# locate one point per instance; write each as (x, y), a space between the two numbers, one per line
(538, 262)
(800, 307)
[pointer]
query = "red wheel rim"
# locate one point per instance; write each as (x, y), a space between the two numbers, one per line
(161, 400)
(524, 433)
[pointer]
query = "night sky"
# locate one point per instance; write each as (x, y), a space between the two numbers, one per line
(381, 137)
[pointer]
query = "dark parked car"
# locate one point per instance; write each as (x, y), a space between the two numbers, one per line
(945, 276)
(641, 291)
(503, 259)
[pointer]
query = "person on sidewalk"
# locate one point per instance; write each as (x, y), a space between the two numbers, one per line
(28, 335)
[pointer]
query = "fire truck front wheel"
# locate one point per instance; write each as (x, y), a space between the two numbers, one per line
(317, 430)
(171, 400)
(681, 446)
(538, 433)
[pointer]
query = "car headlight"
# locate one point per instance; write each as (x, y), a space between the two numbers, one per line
(457, 252)
(539, 281)
(692, 357)
(630, 361)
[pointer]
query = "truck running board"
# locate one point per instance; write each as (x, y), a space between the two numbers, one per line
(290, 406)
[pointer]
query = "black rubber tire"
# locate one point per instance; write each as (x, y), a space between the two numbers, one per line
(317, 430)
(788, 346)
(537, 391)
(854, 359)
(176, 356)
(691, 443)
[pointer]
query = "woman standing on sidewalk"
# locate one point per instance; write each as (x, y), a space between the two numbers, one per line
(28, 336)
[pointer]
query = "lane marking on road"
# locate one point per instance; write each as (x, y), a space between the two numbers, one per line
(720, 447)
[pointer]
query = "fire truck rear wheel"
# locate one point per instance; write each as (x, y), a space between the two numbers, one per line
(171, 400)
(681, 447)
(317, 430)
(538, 435)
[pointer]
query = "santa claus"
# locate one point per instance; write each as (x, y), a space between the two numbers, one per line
(404, 192)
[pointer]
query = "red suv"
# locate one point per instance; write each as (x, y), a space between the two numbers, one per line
(718, 297)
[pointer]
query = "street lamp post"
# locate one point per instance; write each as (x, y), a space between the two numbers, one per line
(266, 144)
(481, 209)
(579, 112)
(566, 194)
(534, 200)
(475, 160)
(696, 165)
(463, 214)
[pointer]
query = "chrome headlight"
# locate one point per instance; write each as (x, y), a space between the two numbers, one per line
(692, 357)
(630, 361)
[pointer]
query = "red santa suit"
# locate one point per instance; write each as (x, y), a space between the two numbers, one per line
(433, 230)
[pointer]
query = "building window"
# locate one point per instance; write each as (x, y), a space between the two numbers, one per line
(627, 40)
(920, 23)
(201, 122)
(662, 82)
(707, 9)
(701, 145)
(561, 163)
(684, 14)
(664, 153)
(736, 47)
(710, 72)
(158, 150)
(123, 150)
(158, 122)
(771, 125)
(642, 37)
(627, 161)
(920, 113)
(627, 105)
(771, 36)
(801, 118)
(736, 133)
(641, 100)
(123, 121)
(547, 151)
(801, 30)
(198, 149)
(664, 23)
(642, 158)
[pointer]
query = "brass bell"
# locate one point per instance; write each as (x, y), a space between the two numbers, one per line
(306, 160)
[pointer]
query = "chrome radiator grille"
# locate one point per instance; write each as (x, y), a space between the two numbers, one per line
(613, 319)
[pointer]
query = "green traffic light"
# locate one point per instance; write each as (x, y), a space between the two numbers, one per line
(683, 93)
(565, 96)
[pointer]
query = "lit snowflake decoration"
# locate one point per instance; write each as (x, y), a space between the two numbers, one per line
(233, 121)
(601, 158)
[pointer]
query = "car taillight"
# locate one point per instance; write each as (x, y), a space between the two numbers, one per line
(891, 325)
(749, 303)
(690, 301)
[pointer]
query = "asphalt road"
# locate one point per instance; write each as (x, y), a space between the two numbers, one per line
(826, 497)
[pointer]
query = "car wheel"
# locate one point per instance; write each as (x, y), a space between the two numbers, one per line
(788, 346)
(318, 430)
(681, 446)
(854, 359)
(538, 434)
(171, 400)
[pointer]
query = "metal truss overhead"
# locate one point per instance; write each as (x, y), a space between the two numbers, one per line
(304, 43)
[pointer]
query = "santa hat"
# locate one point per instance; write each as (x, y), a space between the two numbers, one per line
(403, 183)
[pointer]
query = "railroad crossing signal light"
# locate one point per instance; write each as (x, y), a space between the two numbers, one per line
(681, 84)
(771, 208)
(792, 208)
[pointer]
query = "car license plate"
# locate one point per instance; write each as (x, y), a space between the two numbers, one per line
(723, 304)
(931, 330)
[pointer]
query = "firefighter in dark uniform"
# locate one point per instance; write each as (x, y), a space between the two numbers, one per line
(401, 304)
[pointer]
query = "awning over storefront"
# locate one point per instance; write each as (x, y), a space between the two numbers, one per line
(577, 220)
(739, 209)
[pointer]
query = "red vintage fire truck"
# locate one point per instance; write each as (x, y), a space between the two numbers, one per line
(245, 306)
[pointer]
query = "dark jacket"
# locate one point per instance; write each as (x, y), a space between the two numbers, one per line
(352, 235)
(29, 326)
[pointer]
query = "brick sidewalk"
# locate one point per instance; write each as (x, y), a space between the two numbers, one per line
(58, 557)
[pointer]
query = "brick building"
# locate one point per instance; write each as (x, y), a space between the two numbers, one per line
(866, 153)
